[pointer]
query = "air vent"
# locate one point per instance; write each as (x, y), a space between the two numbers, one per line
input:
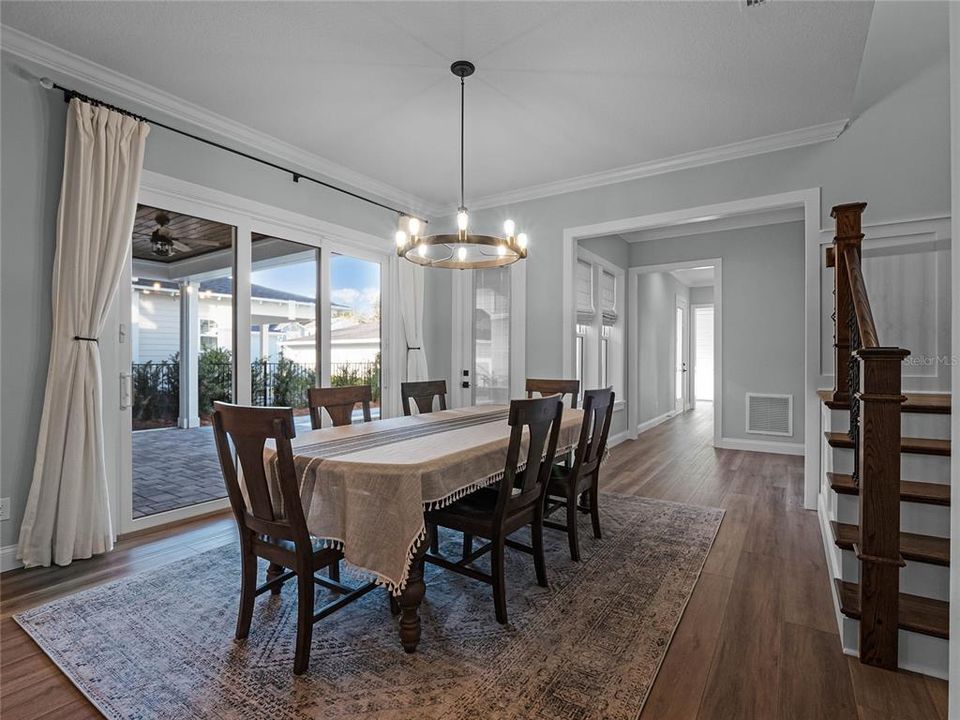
(746, 4)
(769, 414)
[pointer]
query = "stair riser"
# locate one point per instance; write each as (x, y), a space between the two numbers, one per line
(914, 517)
(922, 425)
(926, 468)
(917, 578)
(917, 652)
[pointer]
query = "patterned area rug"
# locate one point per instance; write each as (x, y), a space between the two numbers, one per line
(160, 644)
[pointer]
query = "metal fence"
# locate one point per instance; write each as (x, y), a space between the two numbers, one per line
(156, 386)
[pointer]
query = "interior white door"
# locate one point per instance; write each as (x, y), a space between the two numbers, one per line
(682, 355)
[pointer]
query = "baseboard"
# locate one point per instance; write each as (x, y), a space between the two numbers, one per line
(8, 558)
(765, 446)
(649, 424)
(620, 437)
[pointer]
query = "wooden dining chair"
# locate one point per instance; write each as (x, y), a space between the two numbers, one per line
(423, 394)
(493, 513)
(339, 403)
(272, 526)
(583, 475)
(553, 387)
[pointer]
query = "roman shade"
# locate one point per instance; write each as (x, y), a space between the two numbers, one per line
(585, 309)
(608, 298)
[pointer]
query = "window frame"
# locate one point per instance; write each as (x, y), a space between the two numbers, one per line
(604, 343)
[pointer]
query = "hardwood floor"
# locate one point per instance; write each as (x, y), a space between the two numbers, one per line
(758, 638)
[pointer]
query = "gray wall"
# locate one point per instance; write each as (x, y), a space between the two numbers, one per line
(893, 155)
(763, 316)
(32, 122)
(656, 321)
(701, 295)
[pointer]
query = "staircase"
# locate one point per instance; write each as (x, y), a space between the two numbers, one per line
(885, 491)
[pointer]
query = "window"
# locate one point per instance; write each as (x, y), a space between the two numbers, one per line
(703, 352)
(600, 327)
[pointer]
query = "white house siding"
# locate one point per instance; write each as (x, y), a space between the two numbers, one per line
(156, 326)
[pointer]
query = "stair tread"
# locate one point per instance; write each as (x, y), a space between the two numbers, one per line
(932, 403)
(918, 614)
(919, 446)
(910, 490)
(920, 548)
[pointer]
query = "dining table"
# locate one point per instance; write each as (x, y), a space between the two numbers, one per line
(365, 488)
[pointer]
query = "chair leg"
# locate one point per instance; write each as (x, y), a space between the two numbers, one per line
(539, 560)
(273, 570)
(595, 509)
(305, 594)
(248, 588)
(467, 544)
(572, 527)
(499, 586)
(334, 570)
(434, 539)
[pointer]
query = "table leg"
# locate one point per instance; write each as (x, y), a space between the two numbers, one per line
(410, 600)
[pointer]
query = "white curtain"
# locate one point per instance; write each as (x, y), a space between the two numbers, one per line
(68, 514)
(411, 312)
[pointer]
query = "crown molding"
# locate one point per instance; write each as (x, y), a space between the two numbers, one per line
(69, 65)
(811, 135)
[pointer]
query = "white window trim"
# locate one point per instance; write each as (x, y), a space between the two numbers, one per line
(617, 342)
(249, 216)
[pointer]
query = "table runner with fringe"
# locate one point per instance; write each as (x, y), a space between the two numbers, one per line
(365, 487)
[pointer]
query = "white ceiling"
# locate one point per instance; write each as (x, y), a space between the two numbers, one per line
(695, 277)
(561, 90)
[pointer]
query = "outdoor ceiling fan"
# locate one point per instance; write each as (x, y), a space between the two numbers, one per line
(164, 244)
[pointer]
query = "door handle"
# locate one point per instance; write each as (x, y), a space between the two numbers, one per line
(126, 390)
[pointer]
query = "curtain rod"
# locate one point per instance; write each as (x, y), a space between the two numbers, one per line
(68, 94)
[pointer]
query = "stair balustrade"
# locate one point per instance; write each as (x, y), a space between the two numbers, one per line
(867, 377)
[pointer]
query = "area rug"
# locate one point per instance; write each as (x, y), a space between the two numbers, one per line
(160, 644)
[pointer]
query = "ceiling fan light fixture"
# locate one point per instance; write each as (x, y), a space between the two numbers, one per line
(461, 250)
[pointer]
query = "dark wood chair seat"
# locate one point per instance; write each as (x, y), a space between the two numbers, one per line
(582, 476)
(280, 537)
(517, 501)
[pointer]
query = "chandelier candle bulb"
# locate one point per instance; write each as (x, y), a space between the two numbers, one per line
(413, 226)
(522, 241)
(509, 228)
(462, 220)
(401, 238)
(461, 253)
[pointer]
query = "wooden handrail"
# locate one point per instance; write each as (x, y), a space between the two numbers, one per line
(859, 297)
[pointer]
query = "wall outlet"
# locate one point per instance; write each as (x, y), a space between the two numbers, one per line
(4, 508)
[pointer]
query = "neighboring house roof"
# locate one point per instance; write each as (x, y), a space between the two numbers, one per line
(352, 333)
(224, 286)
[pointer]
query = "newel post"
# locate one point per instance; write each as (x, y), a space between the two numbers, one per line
(848, 233)
(879, 547)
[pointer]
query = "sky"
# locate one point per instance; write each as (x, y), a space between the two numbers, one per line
(355, 283)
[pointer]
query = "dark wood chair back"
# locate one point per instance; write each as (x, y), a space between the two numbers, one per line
(423, 394)
(520, 489)
(553, 387)
(339, 403)
(248, 429)
(597, 415)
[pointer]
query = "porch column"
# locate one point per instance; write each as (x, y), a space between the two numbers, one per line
(189, 354)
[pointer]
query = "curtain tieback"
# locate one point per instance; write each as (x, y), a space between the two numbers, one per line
(86, 339)
(418, 347)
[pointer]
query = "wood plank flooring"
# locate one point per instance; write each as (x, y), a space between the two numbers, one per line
(758, 638)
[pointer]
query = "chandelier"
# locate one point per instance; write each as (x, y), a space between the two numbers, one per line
(462, 250)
